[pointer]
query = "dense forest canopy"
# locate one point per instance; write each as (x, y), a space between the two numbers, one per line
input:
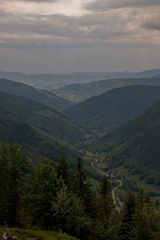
(57, 197)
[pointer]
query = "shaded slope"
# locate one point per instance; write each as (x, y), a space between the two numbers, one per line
(40, 129)
(136, 145)
(110, 110)
(29, 92)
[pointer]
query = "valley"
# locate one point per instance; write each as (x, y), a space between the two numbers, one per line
(116, 182)
(79, 120)
(104, 113)
(90, 125)
(108, 143)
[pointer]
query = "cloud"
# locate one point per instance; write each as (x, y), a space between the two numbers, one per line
(24, 7)
(151, 22)
(79, 34)
(103, 5)
(93, 29)
(124, 24)
(36, 1)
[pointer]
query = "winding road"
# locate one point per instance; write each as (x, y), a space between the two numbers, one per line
(116, 201)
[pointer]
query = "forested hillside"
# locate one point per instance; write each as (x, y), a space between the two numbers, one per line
(136, 146)
(52, 178)
(44, 97)
(108, 111)
(58, 198)
(40, 129)
(79, 120)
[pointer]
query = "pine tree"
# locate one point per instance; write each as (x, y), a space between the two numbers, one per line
(14, 168)
(44, 189)
(105, 226)
(127, 218)
(81, 185)
(145, 220)
(63, 170)
(68, 210)
(105, 193)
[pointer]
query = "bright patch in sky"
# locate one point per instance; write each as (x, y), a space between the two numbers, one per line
(64, 7)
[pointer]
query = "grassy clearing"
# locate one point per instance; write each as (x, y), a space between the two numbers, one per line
(29, 234)
(94, 184)
(140, 183)
(101, 164)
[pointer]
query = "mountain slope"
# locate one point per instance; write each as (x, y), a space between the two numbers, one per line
(29, 92)
(81, 92)
(40, 129)
(136, 145)
(110, 110)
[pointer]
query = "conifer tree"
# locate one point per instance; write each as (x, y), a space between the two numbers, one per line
(105, 192)
(14, 167)
(68, 211)
(127, 218)
(63, 169)
(44, 189)
(81, 184)
(145, 220)
(105, 224)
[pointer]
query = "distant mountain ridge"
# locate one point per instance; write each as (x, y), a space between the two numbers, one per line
(44, 97)
(81, 92)
(108, 111)
(53, 81)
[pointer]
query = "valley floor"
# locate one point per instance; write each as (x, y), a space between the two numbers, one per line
(99, 165)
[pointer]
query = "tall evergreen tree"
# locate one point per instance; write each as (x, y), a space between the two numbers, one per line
(81, 185)
(145, 220)
(44, 189)
(68, 210)
(105, 223)
(14, 167)
(63, 170)
(127, 218)
(105, 193)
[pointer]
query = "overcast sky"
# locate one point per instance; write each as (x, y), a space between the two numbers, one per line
(79, 35)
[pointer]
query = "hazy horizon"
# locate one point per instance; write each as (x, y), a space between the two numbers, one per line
(93, 72)
(59, 36)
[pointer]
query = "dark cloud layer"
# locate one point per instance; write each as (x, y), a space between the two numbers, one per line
(114, 26)
(151, 22)
(106, 24)
(102, 5)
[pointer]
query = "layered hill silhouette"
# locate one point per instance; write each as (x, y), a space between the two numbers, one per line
(44, 97)
(50, 81)
(110, 110)
(40, 129)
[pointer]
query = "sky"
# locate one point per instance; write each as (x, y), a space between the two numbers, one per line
(58, 36)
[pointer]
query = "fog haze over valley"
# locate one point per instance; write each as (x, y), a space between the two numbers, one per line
(50, 81)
